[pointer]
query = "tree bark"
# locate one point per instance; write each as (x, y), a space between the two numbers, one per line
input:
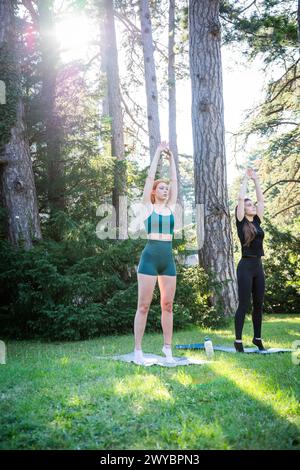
(298, 19)
(216, 254)
(17, 188)
(172, 96)
(150, 80)
(50, 117)
(115, 112)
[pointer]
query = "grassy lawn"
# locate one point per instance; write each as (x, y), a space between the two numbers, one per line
(60, 396)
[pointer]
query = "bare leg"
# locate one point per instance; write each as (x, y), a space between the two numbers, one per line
(146, 285)
(167, 285)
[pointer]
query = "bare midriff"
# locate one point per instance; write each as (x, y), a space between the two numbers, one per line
(160, 236)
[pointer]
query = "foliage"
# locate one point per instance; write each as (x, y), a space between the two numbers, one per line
(194, 291)
(83, 287)
(282, 271)
(268, 27)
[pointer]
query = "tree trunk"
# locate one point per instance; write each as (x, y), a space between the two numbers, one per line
(298, 19)
(150, 80)
(50, 117)
(17, 188)
(115, 112)
(172, 96)
(216, 254)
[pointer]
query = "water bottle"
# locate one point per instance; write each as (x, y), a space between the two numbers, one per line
(208, 347)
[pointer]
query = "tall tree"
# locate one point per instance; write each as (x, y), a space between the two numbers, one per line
(172, 94)
(298, 21)
(50, 115)
(43, 17)
(17, 187)
(110, 57)
(150, 79)
(216, 254)
(136, 76)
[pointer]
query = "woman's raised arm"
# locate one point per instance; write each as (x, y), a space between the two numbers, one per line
(259, 195)
(240, 212)
(173, 189)
(151, 174)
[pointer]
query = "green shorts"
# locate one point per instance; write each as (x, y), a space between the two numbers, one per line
(157, 259)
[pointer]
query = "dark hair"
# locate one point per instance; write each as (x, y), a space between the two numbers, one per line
(249, 229)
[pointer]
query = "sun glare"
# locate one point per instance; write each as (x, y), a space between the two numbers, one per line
(74, 33)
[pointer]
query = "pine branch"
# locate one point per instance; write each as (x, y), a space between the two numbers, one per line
(283, 87)
(286, 208)
(281, 181)
(130, 115)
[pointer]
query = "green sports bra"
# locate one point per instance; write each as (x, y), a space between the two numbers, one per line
(159, 223)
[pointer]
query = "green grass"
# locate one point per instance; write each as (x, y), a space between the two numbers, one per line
(60, 396)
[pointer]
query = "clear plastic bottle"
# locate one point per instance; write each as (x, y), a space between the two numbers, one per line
(208, 347)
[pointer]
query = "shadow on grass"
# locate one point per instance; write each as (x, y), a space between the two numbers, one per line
(62, 397)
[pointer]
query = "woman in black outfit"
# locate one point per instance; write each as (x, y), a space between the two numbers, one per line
(250, 273)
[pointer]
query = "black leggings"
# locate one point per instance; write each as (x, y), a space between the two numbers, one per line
(251, 278)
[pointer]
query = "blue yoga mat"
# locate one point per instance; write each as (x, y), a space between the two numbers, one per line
(229, 349)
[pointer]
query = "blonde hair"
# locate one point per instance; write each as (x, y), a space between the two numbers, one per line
(156, 182)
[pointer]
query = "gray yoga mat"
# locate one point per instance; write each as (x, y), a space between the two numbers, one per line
(154, 360)
(230, 349)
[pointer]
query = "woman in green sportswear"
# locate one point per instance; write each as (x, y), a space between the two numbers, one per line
(157, 261)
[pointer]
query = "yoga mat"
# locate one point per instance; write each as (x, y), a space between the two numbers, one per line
(229, 349)
(154, 360)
